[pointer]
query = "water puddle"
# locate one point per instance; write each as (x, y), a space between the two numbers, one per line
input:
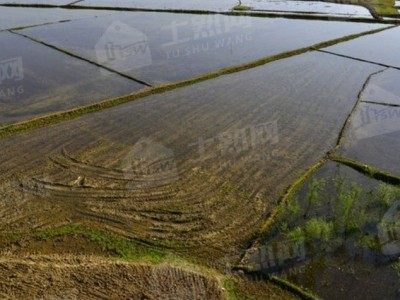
(382, 48)
(36, 80)
(173, 47)
(338, 236)
(383, 88)
(373, 136)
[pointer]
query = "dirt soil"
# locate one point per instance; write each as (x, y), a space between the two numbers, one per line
(89, 277)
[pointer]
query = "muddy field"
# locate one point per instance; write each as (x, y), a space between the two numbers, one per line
(253, 158)
(76, 277)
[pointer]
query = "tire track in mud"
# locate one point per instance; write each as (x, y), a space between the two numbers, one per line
(155, 214)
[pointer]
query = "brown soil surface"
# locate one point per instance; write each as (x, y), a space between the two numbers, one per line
(84, 277)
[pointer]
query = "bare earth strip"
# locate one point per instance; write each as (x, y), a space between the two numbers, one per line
(85, 277)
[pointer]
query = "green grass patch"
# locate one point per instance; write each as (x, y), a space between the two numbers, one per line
(241, 7)
(387, 11)
(378, 8)
(384, 8)
(10, 238)
(396, 267)
(367, 170)
(231, 289)
(286, 201)
(296, 290)
(327, 215)
(123, 248)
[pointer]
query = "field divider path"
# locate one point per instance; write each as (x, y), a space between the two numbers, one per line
(368, 170)
(81, 58)
(358, 59)
(363, 168)
(382, 103)
(47, 23)
(262, 14)
(55, 118)
(33, 26)
(297, 290)
(72, 3)
(290, 191)
(294, 289)
(348, 119)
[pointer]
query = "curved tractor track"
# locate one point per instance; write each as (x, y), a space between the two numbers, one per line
(190, 209)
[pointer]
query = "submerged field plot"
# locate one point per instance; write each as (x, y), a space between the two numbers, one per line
(14, 17)
(339, 226)
(182, 46)
(38, 80)
(170, 150)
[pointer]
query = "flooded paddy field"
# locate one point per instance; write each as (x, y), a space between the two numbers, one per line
(175, 47)
(375, 130)
(47, 81)
(369, 48)
(14, 17)
(173, 154)
(373, 134)
(340, 225)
